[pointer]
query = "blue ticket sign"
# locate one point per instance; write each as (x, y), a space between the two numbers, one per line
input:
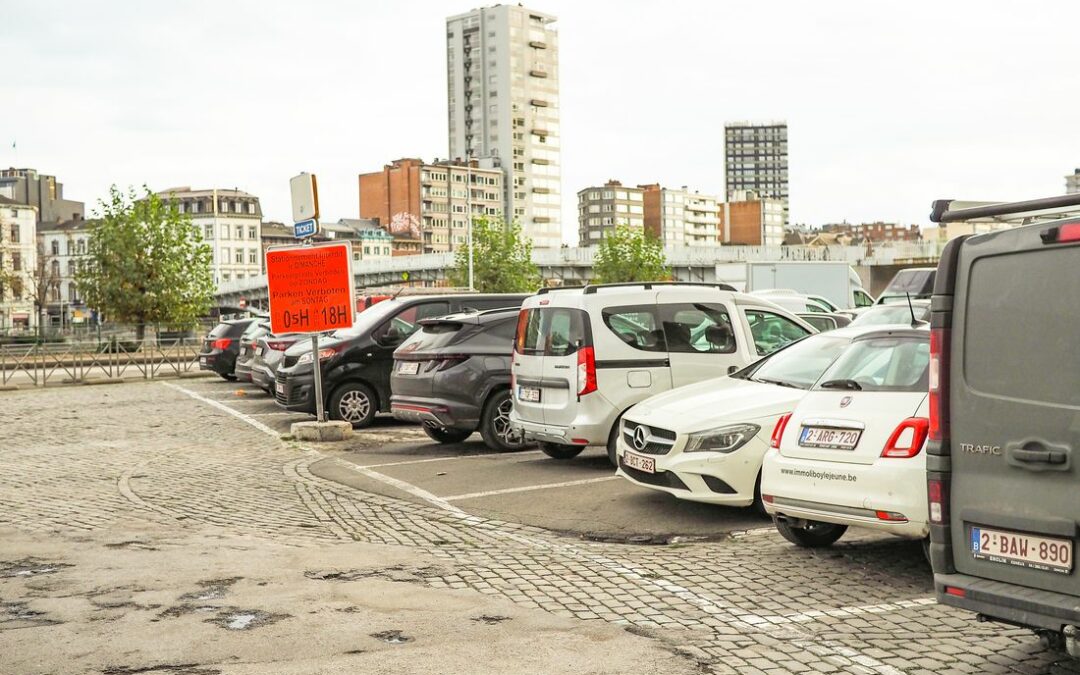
(305, 228)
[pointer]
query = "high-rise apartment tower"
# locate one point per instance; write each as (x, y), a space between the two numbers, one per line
(502, 71)
(756, 160)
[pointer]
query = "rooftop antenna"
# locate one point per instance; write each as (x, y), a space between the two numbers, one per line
(915, 323)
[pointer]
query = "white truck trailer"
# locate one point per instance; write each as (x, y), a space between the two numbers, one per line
(835, 281)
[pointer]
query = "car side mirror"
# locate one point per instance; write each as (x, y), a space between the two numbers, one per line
(732, 370)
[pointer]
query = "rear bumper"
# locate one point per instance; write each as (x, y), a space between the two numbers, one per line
(593, 434)
(439, 412)
(1009, 603)
(847, 493)
(221, 363)
(263, 377)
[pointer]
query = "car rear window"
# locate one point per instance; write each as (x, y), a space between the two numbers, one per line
(552, 331)
(436, 335)
(220, 330)
(894, 364)
(885, 315)
(1021, 326)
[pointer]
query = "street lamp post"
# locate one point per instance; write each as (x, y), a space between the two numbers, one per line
(468, 211)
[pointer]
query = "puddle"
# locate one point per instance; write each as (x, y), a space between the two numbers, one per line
(19, 615)
(393, 637)
(29, 567)
(231, 618)
(491, 619)
(213, 589)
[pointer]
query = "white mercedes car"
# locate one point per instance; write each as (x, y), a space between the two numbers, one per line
(704, 442)
(852, 452)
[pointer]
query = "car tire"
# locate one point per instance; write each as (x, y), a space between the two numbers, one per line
(814, 534)
(228, 377)
(355, 403)
(612, 441)
(495, 423)
(446, 436)
(759, 503)
(557, 451)
(926, 551)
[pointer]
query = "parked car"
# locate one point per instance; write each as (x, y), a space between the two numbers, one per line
(221, 346)
(851, 453)
(269, 352)
(248, 340)
(918, 311)
(825, 322)
(704, 442)
(916, 282)
(356, 362)
(583, 356)
(453, 376)
(1004, 433)
(795, 302)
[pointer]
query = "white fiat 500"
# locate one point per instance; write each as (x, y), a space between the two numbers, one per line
(704, 442)
(852, 451)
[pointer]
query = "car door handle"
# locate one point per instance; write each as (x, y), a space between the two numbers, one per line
(1038, 456)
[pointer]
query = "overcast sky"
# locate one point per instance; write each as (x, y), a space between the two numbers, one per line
(889, 105)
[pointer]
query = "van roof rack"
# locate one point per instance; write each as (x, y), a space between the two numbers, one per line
(591, 288)
(941, 212)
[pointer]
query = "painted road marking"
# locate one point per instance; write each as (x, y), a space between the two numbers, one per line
(444, 459)
(528, 488)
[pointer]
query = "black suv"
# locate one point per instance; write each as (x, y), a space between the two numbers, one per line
(356, 362)
(453, 375)
(1003, 483)
(221, 347)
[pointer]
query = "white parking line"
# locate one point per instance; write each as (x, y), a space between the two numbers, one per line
(527, 488)
(444, 459)
(221, 406)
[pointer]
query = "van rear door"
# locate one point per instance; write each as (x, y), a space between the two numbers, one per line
(1015, 411)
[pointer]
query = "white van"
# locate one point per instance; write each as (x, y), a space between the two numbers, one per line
(583, 356)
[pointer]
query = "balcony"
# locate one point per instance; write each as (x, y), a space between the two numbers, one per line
(542, 162)
(538, 44)
(541, 219)
(538, 73)
(542, 190)
(538, 103)
(540, 131)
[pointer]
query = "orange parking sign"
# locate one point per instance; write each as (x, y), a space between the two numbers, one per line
(311, 287)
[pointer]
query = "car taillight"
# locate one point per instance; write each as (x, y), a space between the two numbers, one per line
(221, 343)
(277, 345)
(447, 361)
(1061, 234)
(903, 444)
(937, 496)
(519, 336)
(586, 371)
(778, 431)
(939, 384)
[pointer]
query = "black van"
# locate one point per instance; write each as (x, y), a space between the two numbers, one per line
(356, 362)
(1003, 463)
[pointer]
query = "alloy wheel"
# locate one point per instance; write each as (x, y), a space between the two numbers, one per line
(354, 406)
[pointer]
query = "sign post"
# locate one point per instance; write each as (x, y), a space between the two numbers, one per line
(311, 291)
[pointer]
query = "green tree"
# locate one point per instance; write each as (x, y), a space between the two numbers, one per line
(502, 259)
(627, 254)
(146, 263)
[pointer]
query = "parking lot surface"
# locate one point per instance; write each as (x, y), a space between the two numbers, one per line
(716, 588)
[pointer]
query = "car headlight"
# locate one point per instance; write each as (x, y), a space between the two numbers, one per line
(722, 439)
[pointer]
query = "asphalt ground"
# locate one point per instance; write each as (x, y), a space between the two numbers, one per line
(580, 496)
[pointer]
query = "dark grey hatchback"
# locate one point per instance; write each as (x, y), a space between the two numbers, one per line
(453, 376)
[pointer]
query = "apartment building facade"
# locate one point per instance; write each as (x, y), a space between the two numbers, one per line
(750, 220)
(431, 203)
(1072, 183)
(601, 209)
(44, 193)
(18, 262)
(875, 232)
(503, 102)
(63, 245)
(230, 221)
(680, 216)
(756, 160)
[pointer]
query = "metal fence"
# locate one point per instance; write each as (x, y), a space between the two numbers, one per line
(83, 361)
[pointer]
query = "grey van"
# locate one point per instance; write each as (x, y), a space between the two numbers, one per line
(1004, 452)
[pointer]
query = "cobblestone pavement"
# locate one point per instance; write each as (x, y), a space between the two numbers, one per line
(173, 454)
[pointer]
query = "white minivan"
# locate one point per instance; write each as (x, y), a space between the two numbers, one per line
(583, 356)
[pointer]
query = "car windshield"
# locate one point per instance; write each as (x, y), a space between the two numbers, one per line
(801, 364)
(894, 364)
(887, 315)
(368, 319)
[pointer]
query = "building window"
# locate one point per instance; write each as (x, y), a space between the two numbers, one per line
(253, 257)
(251, 208)
(80, 246)
(194, 207)
(55, 247)
(71, 268)
(253, 232)
(72, 295)
(208, 232)
(16, 261)
(226, 277)
(239, 256)
(223, 206)
(14, 233)
(239, 231)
